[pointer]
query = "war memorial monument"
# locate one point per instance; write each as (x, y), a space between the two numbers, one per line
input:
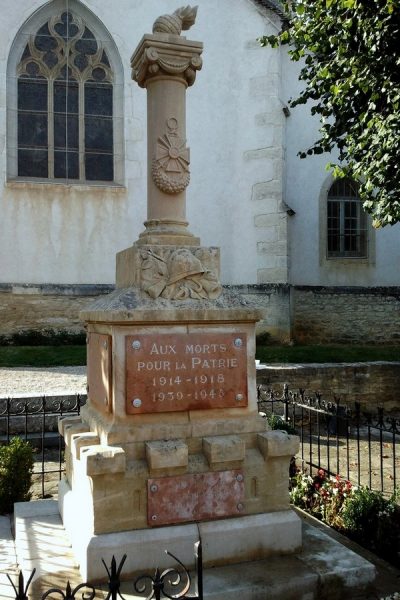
(170, 447)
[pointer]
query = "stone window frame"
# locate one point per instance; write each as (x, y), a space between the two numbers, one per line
(348, 231)
(29, 28)
(341, 260)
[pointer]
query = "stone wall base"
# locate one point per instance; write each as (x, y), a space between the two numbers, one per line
(372, 384)
(345, 315)
(32, 313)
(303, 314)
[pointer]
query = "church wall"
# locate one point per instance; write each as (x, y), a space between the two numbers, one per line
(306, 186)
(69, 234)
(245, 176)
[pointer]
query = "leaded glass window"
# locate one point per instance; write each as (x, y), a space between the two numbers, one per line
(346, 221)
(65, 128)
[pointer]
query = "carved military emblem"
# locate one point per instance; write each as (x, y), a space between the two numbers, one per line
(170, 168)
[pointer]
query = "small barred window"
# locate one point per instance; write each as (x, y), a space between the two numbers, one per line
(346, 222)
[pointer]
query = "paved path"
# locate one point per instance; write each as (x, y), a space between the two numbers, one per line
(31, 380)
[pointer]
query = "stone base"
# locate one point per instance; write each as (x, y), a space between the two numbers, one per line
(324, 569)
(224, 541)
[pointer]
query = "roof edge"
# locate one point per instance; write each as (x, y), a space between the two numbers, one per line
(273, 5)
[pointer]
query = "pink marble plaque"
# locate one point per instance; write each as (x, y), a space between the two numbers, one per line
(196, 497)
(174, 372)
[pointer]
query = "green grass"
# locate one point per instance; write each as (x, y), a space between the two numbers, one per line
(69, 355)
(322, 354)
(42, 356)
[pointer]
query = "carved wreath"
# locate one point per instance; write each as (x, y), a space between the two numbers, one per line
(170, 168)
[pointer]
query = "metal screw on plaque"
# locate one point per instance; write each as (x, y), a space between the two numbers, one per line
(239, 477)
(238, 343)
(154, 517)
(105, 345)
(136, 345)
(239, 397)
(240, 507)
(137, 403)
(153, 487)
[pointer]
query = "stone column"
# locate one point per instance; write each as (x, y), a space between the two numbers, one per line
(166, 64)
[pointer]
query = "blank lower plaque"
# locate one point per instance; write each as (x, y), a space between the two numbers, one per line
(196, 497)
(174, 372)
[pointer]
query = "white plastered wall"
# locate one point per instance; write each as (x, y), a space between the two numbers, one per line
(306, 185)
(53, 233)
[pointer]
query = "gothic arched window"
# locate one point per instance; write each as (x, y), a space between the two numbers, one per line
(65, 103)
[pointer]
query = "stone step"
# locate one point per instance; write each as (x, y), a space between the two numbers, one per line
(323, 570)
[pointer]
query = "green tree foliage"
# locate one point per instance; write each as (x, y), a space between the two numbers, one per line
(351, 68)
(16, 467)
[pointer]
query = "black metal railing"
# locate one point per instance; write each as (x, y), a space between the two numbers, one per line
(348, 440)
(35, 419)
(175, 582)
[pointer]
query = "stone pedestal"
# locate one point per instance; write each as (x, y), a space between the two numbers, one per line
(171, 438)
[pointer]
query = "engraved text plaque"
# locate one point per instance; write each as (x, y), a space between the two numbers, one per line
(173, 372)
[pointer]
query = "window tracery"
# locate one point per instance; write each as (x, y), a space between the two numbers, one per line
(65, 103)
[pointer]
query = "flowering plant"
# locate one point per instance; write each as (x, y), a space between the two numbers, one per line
(322, 495)
(362, 514)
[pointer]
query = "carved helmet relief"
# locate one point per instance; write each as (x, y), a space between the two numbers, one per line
(170, 168)
(179, 273)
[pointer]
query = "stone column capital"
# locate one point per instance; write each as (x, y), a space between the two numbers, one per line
(167, 56)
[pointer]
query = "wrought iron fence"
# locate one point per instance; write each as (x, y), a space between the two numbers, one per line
(348, 440)
(175, 582)
(35, 419)
(351, 441)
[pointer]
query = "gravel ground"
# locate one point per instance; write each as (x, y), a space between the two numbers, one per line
(30, 380)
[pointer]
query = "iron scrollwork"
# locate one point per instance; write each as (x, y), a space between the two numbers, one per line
(71, 594)
(162, 585)
(164, 582)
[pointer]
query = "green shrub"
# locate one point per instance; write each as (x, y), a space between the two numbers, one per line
(263, 338)
(16, 467)
(373, 521)
(44, 337)
(278, 422)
